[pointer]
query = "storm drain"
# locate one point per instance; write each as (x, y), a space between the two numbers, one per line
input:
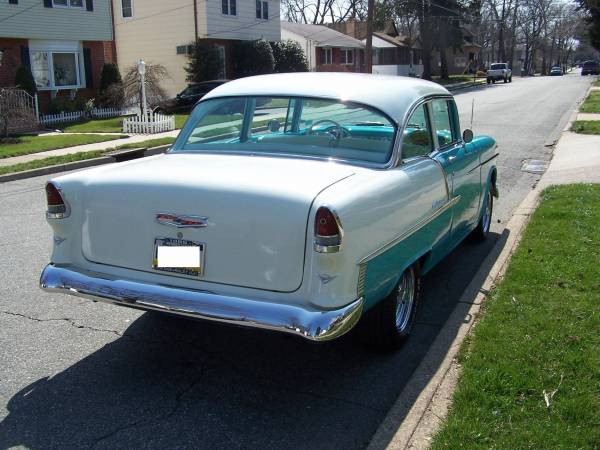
(534, 165)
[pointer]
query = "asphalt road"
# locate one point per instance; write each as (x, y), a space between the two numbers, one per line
(77, 374)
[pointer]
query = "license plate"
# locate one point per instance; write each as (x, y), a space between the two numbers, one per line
(179, 256)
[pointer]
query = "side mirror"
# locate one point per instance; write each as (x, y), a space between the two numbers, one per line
(274, 125)
(467, 136)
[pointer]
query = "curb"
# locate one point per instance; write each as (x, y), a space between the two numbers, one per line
(458, 87)
(85, 163)
(421, 409)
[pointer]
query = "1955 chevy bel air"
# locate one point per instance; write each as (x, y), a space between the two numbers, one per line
(290, 202)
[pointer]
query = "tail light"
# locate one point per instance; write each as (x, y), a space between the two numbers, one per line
(57, 207)
(328, 231)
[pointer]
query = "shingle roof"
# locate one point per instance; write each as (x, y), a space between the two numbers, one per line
(322, 35)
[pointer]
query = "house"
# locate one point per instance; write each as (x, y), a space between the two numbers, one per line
(326, 50)
(161, 32)
(464, 59)
(393, 54)
(63, 42)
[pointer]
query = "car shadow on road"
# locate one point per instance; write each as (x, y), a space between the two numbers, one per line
(178, 383)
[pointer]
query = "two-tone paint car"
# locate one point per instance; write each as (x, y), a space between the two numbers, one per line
(291, 202)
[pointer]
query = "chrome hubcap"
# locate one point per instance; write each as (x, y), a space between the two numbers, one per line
(405, 299)
(487, 215)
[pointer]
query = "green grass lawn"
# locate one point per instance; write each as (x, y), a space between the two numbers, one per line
(112, 125)
(540, 326)
(586, 126)
(36, 144)
(597, 83)
(50, 161)
(592, 103)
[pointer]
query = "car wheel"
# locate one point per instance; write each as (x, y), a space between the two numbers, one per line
(489, 81)
(480, 233)
(505, 80)
(510, 79)
(493, 81)
(391, 321)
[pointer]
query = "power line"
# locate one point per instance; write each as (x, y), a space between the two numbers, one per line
(21, 12)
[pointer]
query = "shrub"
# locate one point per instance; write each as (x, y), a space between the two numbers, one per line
(253, 58)
(289, 57)
(203, 62)
(111, 86)
(24, 80)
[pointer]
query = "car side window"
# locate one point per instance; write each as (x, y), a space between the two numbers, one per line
(442, 121)
(417, 135)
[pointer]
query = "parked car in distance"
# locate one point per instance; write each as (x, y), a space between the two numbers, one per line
(186, 99)
(499, 71)
(556, 70)
(299, 203)
(590, 68)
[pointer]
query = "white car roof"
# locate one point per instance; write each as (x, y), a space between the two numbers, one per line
(394, 95)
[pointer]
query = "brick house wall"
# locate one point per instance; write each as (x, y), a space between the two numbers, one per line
(11, 60)
(336, 64)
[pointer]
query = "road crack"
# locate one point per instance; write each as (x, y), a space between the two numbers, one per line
(63, 319)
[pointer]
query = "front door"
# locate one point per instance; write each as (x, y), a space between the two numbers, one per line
(461, 163)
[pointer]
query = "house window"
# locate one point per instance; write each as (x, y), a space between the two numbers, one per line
(326, 56)
(347, 56)
(56, 70)
(229, 7)
(68, 3)
(185, 49)
(126, 8)
(262, 10)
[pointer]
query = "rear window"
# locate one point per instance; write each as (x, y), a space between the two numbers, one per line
(307, 127)
(498, 66)
(590, 64)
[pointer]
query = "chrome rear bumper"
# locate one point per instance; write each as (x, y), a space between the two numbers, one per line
(313, 324)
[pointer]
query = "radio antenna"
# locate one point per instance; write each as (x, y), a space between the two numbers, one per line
(472, 109)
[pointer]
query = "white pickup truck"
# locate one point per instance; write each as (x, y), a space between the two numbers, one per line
(499, 71)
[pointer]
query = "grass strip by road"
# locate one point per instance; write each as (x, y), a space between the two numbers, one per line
(592, 103)
(531, 369)
(55, 160)
(586, 126)
(112, 125)
(454, 79)
(36, 144)
(50, 161)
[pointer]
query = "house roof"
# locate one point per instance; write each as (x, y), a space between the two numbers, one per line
(322, 35)
(393, 95)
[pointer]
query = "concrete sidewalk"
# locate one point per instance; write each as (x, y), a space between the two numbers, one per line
(86, 147)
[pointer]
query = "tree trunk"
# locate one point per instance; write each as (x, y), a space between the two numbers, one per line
(426, 44)
(501, 49)
(442, 45)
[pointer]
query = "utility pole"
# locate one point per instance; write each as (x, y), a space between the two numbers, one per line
(369, 45)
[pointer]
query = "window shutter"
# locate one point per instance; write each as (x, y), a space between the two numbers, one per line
(89, 5)
(232, 7)
(25, 60)
(13, 2)
(87, 66)
(47, 3)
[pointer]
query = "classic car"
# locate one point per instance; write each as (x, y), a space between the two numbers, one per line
(290, 202)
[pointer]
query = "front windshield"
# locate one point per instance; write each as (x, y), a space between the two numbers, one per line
(289, 126)
(498, 66)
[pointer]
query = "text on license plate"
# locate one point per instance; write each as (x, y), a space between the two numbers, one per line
(178, 256)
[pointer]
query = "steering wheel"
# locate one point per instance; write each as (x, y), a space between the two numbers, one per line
(337, 134)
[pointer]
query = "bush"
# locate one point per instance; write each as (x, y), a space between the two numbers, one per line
(24, 80)
(203, 62)
(66, 104)
(289, 57)
(111, 86)
(253, 58)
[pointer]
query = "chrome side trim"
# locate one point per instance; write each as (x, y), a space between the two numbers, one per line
(362, 276)
(412, 230)
(310, 323)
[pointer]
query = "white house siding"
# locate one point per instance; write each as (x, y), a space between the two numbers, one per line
(34, 21)
(306, 44)
(244, 25)
(153, 34)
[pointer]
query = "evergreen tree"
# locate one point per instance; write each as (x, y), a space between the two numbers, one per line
(24, 80)
(289, 57)
(204, 62)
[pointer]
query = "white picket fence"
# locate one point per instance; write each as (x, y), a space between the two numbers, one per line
(148, 124)
(96, 113)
